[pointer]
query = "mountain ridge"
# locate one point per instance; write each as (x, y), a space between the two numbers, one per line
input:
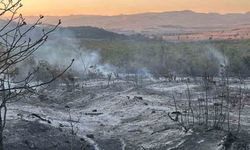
(154, 22)
(149, 12)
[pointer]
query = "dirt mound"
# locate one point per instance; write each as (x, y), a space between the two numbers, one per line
(26, 135)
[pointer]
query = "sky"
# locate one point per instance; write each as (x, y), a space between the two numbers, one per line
(117, 7)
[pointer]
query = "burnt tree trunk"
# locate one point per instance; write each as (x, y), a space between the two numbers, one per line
(1, 130)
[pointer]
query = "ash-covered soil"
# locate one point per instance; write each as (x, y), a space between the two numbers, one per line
(116, 117)
(28, 135)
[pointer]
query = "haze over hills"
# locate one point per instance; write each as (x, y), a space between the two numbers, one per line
(86, 32)
(155, 22)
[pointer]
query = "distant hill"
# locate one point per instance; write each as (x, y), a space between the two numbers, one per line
(92, 33)
(147, 23)
(75, 32)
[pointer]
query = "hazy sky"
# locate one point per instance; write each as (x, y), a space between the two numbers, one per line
(116, 7)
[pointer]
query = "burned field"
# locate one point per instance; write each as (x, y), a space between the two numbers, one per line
(87, 88)
(124, 113)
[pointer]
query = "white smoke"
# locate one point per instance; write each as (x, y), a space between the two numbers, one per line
(62, 47)
(222, 59)
(145, 72)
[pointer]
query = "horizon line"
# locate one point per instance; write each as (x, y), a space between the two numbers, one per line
(148, 12)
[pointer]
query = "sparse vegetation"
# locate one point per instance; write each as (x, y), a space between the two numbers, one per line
(184, 59)
(123, 91)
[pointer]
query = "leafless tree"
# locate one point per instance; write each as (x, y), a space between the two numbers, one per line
(177, 116)
(206, 87)
(241, 97)
(74, 128)
(190, 107)
(15, 47)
